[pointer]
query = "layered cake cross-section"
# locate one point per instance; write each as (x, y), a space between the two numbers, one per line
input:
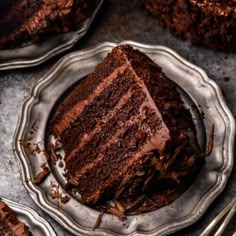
(9, 224)
(127, 135)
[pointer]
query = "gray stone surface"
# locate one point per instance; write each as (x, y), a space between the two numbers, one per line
(118, 20)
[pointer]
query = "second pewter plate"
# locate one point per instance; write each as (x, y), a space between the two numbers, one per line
(36, 224)
(200, 94)
(32, 54)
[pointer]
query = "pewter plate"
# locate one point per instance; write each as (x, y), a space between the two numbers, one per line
(201, 95)
(39, 52)
(37, 225)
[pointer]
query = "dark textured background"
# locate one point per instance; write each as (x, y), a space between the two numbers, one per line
(118, 20)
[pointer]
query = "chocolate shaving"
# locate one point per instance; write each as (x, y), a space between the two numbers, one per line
(134, 205)
(53, 156)
(148, 181)
(210, 142)
(43, 165)
(37, 149)
(42, 175)
(73, 181)
(116, 212)
(98, 221)
(140, 173)
(177, 152)
(55, 195)
(153, 202)
(119, 206)
(61, 164)
(142, 209)
(46, 155)
(122, 186)
(65, 199)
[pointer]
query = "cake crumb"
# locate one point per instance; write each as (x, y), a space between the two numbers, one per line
(98, 221)
(61, 165)
(116, 212)
(42, 175)
(53, 185)
(65, 199)
(56, 194)
(31, 148)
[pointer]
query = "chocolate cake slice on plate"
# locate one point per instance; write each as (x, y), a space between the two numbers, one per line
(24, 20)
(9, 224)
(206, 22)
(127, 135)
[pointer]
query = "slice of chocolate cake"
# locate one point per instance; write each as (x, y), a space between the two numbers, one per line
(9, 224)
(33, 19)
(126, 134)
(209, 22)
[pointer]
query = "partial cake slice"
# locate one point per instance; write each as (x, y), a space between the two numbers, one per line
(9, 224)
(31, 20)
(210, 22)
(124, 130)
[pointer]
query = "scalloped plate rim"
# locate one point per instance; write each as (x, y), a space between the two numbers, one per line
(205, 201)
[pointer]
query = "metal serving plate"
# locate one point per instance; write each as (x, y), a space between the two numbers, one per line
(37, 225)
(39, 52)
(196, 88)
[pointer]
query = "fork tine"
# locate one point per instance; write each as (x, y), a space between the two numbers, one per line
(215, 221)
(226, 220)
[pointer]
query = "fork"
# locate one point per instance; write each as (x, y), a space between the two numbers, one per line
(228, 212)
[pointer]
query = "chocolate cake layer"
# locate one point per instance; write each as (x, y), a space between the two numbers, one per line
(116, 161)
(9, 224)
(34, 19)
(106, 102)
(163, 92)
(208, 22)
(124, 112)
(87, 86)
(127, 133)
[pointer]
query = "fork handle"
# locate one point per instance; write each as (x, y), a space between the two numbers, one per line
(215, 221)
(226, 220)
